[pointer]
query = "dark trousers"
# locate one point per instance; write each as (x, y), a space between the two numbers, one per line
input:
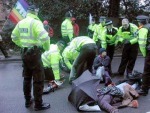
(49, 75)
(33, 69)
(84, 61)
(146, 74)
(110, 52)
(3, 49)
(129, 55)
(104, 102)
(66, 40)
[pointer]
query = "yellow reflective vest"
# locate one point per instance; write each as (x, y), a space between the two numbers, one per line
(128, 35)
(51, 59)
(67, 29)
(78, 42)
(69, 55)
(142, 40)
(30, 32)
(98, 32)
(109, 37)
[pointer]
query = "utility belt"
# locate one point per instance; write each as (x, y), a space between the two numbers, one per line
(32, 49)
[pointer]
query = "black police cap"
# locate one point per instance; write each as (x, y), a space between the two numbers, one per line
(32, 8)
(108, 22)
(142, 17)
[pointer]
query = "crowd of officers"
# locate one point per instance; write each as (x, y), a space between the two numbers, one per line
(76, 54)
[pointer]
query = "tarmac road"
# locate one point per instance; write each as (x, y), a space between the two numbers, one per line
(12, 100)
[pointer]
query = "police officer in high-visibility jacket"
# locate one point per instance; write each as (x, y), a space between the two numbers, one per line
(30, 35)
(127, 36)
(97, 36)
(67, 28)
(109, 36)
(68, 56)
(87, 51)
(51, 59)
(91, 28)
(144, 45)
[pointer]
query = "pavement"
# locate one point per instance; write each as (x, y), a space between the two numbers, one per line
(12, 100)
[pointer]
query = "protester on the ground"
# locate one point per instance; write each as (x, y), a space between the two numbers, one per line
(91, 28)
(123, 94)
(26, 35)
(67, 28)
(100, 66)
(144, 44)
(109, 37)
(87, 52)
(51, 59)
(75, 27)
(97, 36)
(127, 36)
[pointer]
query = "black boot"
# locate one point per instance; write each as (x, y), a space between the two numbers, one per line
(28, 103)
(44, 106)
(143, 92)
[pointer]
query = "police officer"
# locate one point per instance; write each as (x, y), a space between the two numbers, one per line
(91, 28)
(109, 37)
(97, 36)
(68, 56)
(87, 51)
(67, 28)
(30, 35)
(144, 44)
(51, 59)
(127, 36)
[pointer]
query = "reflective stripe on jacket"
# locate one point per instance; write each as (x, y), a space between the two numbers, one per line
(78, 42)
(98, 32)
(109, 38)
(67, 29)
(128, 35)
(142, 40)
(30, 32)
(51, 59)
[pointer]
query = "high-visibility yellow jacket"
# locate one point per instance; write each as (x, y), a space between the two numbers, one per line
(109, 37)
(30, 32)
(69, 55)
(67, 29)
(78, 42)
(51, 59)
(130, 35)
(98, 32)
(142, 40)
(91, 29)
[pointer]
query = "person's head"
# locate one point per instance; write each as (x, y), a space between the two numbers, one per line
(125, 23)
(102, 52)
(61, 45)
(73, 20)
(45, 22)
(102, 20)
(142, 20)
(68, 15)
(109, 24)
(33, 9)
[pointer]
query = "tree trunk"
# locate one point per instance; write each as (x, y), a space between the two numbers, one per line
(114, 8)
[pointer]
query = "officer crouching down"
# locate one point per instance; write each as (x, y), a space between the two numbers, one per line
(30, 35)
